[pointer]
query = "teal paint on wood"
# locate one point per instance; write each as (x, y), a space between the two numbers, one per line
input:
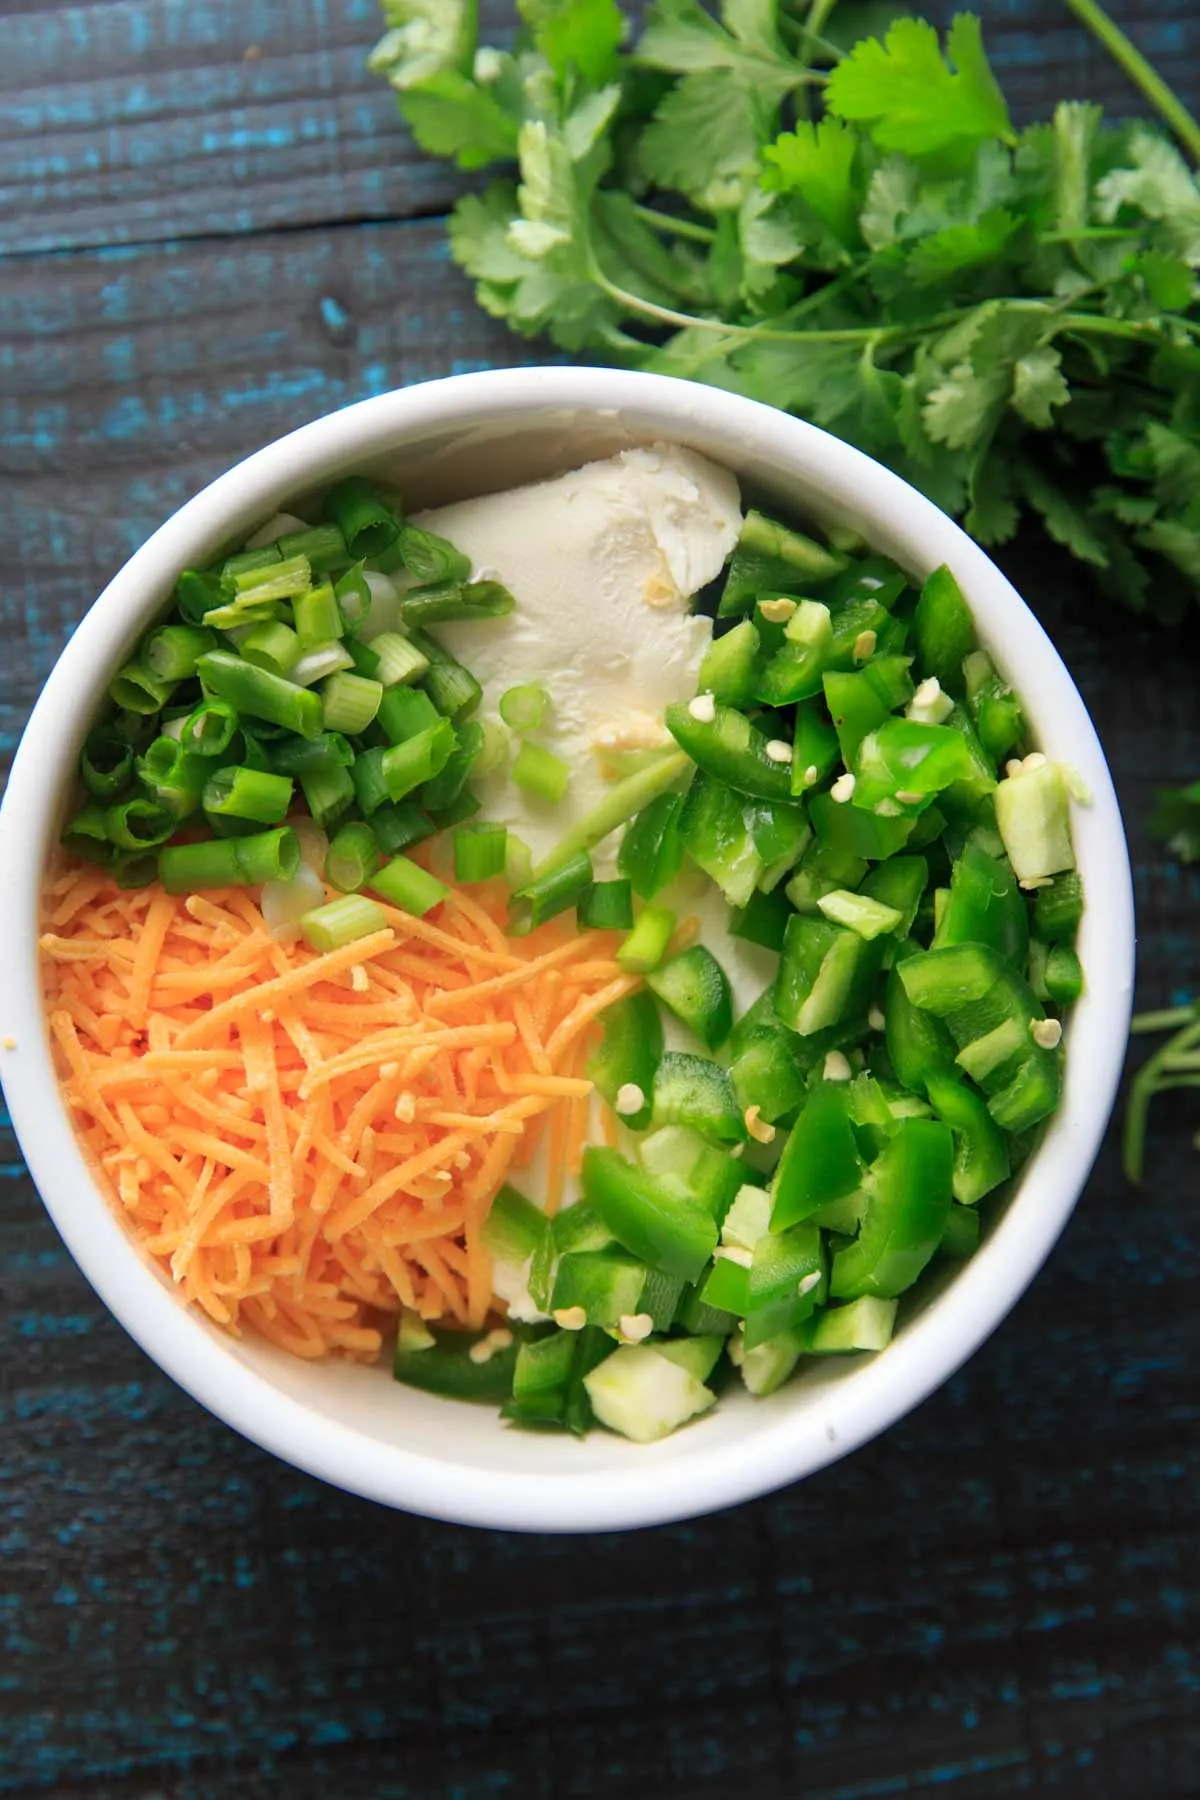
(996, 1599)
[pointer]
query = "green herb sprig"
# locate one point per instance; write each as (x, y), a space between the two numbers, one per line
(856, 232)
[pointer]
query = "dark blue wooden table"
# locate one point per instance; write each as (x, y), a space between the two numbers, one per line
(211, 229)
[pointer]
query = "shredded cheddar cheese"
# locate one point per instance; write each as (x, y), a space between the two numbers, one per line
(306, 1142)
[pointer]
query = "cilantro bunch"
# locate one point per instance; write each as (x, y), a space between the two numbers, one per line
(856, 233)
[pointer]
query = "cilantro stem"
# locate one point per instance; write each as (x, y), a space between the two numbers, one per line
(1142, 73)
(685, 228)
(1160, 1021)
(1169, 1067)
(666, 315)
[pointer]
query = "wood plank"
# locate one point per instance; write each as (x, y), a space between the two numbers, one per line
(137, 120)
(129, 378)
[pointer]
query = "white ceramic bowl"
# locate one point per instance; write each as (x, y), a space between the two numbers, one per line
(355, 1427)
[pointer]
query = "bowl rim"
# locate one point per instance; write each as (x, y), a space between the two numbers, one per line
(695, 1479)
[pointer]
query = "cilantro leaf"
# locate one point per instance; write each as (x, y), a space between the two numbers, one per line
(957, 250)
(912, 100)
(1159, 184)
(993, 514)
(1176, 821)
(704, 139)
(1063, 518)
(423, 38)
(1178, 543)
(681, 37)
(769, 237)
(1039, 386)
(451, 116)
(962, 409)
(479, 234)
(1176, 461)
(576, 34)
(821, 164)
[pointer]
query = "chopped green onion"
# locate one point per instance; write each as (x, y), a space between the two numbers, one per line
(399, 824)
(272, 646)
(524, 708)
(404, 711)
(547, 895)
(137, 689)
(540, 772)
(431, 560)
(134, 868)
(353, 596)
(196, 594)
(328, 793)
(400, 662)
(646, 944)
(418, 759)
(171, 652)
(85, 835)
(620, 803)
(363, 517)
(446, 788)
(480, 852)
(320, 661)
(518, 862)
(350, 702)
(353, 856)
(493, 752)
(263, 556)
(465, 807)
(106, 764)
(301, 756)
(175, 776)
(138, 824)
(260, 586)
(370, 789)
(453, 689)
(318, 617)
(365, 660)
(209, 731)
(322, 545)
(607, 906)
(266, 696)
(406, 885)
(236, 620)
(341, 922)
(474, 600)
(243, 793)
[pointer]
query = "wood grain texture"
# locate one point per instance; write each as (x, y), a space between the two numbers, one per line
(136, 120)
(997, 1599)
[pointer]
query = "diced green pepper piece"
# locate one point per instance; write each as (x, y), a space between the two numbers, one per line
(733, 750)
(652, 848)
(665, 1231)
(695, 987)
(543, 1367)
(980, 1153)
(726, 1287)
(768, 1074)
(1033, 816)
(814, 747)
(579, 1228)
(607, 1284)
(846, 830)
(446, 1367)
(943, 981)
(717, 837)
(698, 1355)
(787, 1274)
(770, 559)
(691, 1090)
(859, 913)
(856, 708)
(729, 666)
(646, 944)
(985, 907)
(780, 834)
(865, 1324)
(660, 1297)
(945, 630)
(993, 706)
(905, 764)
(763, 919)
(918, 1045)
(643, 1395)
(820, 1160)
(628, 1053)
(821, 871)
(825, 974)
(890, 677)
(1058, 908)
(765, 1368)
(684, 1163)
(514, 1231)
(899, 882)
(961, 1236)
(908, 1188)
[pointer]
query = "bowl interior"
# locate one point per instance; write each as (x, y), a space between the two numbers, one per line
(356, 1426)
